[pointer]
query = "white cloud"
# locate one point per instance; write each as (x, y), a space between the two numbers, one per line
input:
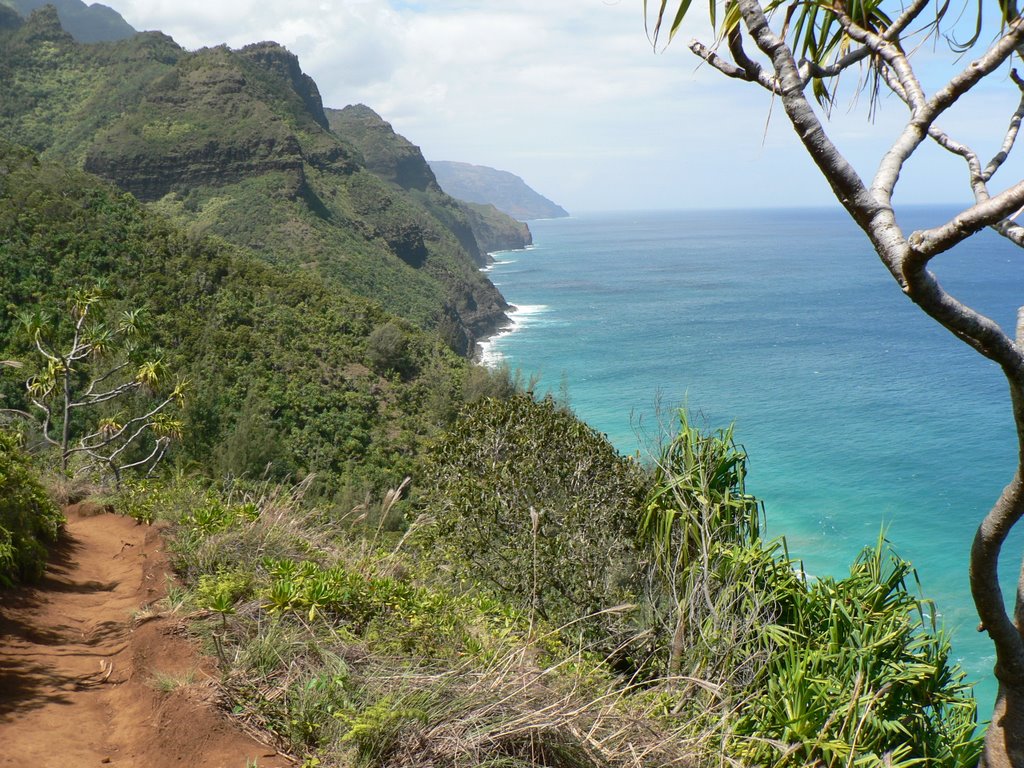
(568, 95)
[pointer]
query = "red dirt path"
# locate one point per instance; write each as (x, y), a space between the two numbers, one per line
(79, 675)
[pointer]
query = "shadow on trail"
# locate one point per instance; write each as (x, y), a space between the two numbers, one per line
(24, 682)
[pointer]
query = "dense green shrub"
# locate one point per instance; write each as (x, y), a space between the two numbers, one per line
(536, 505)
(859, 673)
(795, 671)
(28, 518)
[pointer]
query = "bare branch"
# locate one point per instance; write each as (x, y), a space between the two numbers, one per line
(755, 72)
(44, 352)
(985, 587)
(928, 243)
(158, 451)
(904, 20)
(889, 51)
(114, 436)
(811, 69)
(1011, 132)
(917, 128)
(975, 329)
(729, 69)
(840, 174)
(99, 380)
(105, 396)
(892, 34)
(17, 412)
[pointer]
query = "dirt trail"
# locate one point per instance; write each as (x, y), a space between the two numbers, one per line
(84, 683)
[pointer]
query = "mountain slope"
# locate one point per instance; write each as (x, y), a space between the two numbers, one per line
(505, 191)
(480, 228)
(86, 23)
(236, 144)
(285, 368)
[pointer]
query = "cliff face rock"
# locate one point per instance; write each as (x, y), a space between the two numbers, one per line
(387, 154)
(150, 177)
(505, 191)
(235, 144)
(497, 231)
(199, 125)
(276, 58)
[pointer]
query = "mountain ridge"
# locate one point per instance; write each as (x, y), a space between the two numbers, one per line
(235, 143)
(502, 189)
(87, 23)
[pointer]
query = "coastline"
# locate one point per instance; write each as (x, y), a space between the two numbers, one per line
(484, 352)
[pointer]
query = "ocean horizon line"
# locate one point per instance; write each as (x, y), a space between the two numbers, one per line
(831, 207)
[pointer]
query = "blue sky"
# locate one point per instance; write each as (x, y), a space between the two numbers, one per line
(570, 96)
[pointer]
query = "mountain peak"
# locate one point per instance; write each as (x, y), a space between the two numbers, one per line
(94, 23)
(284, 63)
(386, 153)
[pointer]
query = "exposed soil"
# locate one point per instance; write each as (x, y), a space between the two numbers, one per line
(88, 677)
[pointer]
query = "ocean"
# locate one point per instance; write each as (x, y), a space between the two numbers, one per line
(858, 412)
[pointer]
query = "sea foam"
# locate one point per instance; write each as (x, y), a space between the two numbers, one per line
(489, 350)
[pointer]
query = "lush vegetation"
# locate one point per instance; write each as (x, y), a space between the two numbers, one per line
(28, 518)
(236, 144)
(351, 645)
(531, 502)
(527, 562)
(400, 558)
(287, 373)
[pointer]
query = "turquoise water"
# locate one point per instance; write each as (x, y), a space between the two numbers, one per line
(857, 411)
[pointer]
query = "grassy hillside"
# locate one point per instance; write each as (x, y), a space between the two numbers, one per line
(87, 23)
(236, 144)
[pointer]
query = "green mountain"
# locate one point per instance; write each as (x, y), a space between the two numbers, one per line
(284, 367)
(481, 228)
(236, 144)
(93, 23)
(505, 191)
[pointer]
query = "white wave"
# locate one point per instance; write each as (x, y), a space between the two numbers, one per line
(518, 318)
(497, 263)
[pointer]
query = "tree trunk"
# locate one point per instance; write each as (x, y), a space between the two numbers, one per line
(1004, 741)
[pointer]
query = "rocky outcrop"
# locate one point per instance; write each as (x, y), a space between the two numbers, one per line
(387, 154)
(497, 231)
(235, 143)
(151, 176)
(279, 60)
(390, 156)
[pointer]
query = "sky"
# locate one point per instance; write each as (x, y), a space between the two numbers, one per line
(571, 96)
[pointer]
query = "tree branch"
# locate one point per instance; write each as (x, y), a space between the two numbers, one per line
(1011, 132)
(886, 49)
(917, 128)
(729, 69)
(928, 243)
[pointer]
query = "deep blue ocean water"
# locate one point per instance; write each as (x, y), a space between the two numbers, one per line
(858, 412)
